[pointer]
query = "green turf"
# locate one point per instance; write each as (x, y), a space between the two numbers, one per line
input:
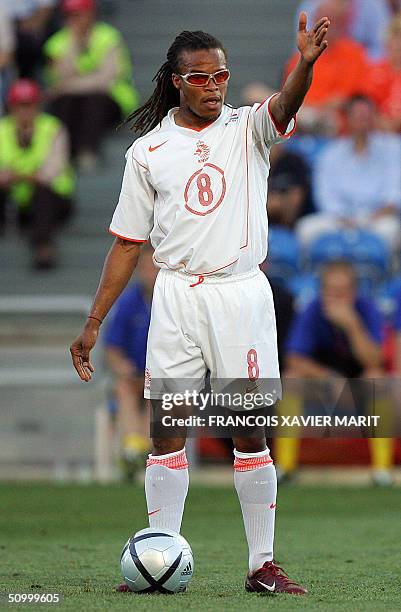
(342, 543)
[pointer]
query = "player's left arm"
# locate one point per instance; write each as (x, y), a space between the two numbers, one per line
(311, 44)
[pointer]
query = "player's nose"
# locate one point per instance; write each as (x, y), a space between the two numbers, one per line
(212, 85)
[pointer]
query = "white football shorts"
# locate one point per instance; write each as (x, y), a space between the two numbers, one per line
(226, 325)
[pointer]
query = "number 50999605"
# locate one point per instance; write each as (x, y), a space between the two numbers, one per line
(34, 598)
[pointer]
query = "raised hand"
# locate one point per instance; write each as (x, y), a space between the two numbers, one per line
(312, 43)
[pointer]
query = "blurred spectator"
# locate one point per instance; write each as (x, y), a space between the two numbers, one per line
(7, 46)
(125, 348)
(338, 331)
(383, 80)
(32, 18)
(357, 181)
(366, 20)
(35, 172)
(339, 334)
(289, 187)
(90, 78)
(339, 74)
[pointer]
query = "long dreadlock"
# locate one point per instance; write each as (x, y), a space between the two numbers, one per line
(165, 95)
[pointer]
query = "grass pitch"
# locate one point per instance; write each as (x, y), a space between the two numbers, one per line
(342, 543)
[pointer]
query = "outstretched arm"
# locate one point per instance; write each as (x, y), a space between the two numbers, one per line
(311, 44)
(117, 270)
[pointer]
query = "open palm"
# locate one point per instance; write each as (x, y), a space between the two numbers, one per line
(312, 43)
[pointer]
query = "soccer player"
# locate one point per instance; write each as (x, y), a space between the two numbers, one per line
(196, 184)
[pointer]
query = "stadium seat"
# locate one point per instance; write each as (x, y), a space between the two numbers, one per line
(370, 256)
(328, 247)
(308, 146)
(365, 247)
(387, 296)
(304, 288)
(283, 256)
(368, 252)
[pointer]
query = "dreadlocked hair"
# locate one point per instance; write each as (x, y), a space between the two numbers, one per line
(165, 96)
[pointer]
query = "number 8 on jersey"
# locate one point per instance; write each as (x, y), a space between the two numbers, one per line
(205, 190)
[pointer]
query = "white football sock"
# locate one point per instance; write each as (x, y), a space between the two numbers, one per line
(256, 485)
(166, 487)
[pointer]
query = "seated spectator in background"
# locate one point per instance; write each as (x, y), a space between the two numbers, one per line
(289, 187)
(33, 18)
(339, 334)
(90, 78)
(357, 180)
(339, 74)
(35, 171)
(7, 46)
(366, 20)
(125, 349)
(383, 80)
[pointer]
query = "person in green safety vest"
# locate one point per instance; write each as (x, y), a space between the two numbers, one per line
(89, 77)
(35, 171)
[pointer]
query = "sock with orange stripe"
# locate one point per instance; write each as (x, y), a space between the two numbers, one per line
(166, 488)
(256, 485)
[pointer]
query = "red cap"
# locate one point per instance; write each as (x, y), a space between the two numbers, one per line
(75, 6)
(24, 91)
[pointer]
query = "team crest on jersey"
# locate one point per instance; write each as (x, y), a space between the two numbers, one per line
(203, 151)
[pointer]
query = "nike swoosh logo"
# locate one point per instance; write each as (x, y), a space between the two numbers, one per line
(151, 149)
(250, 389)
(272, 506)
(154, 512)
(269, 588)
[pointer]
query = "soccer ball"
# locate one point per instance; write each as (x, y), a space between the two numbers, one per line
(157, 561)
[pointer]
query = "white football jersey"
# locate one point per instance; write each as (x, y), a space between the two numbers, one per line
(200, 195)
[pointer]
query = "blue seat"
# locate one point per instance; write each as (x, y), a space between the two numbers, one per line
(283, 258)
(388, 295)
(368, 253)
(371, 258)
(304, 288)
(329, 246)
(365, 248)
(308, 146)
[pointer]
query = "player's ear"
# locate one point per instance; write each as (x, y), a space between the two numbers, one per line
(176, 81)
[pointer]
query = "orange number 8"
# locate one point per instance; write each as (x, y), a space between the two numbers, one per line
(205, 194)
(253, 367)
